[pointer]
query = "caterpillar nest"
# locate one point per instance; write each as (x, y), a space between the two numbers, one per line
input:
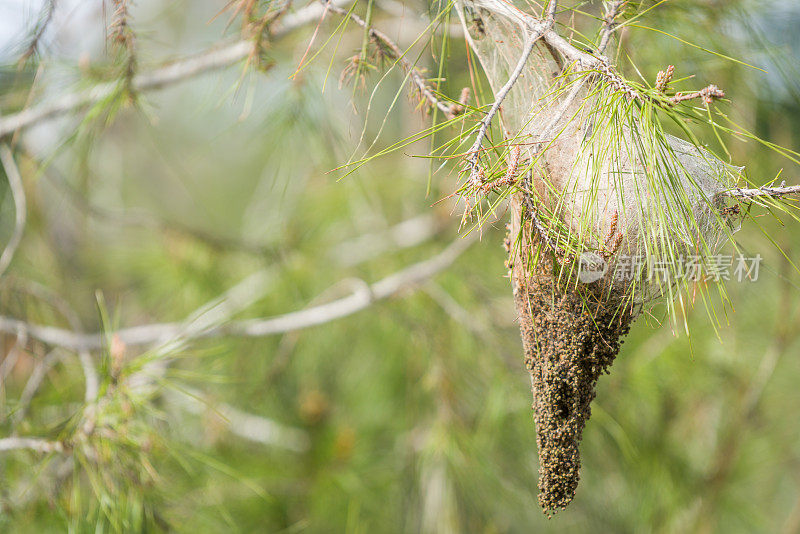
(601, 179)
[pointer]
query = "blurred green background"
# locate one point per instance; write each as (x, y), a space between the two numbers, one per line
(413, 415)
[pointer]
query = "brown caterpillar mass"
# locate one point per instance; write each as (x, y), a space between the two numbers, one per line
(569, 340)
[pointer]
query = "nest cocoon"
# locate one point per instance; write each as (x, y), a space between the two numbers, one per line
(636, 200)
(603, 176)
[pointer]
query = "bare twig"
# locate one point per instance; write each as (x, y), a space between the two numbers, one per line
(760, 192)
(181, 70)
(553, 40)
(474, 151)
(33, 444)
(18, 193)
(89, 375)
(214, 314)
(203, 322)
(570, 52)
(537, 32)
(383, 289)
(162, 332)
(177, 71)
(613, 10)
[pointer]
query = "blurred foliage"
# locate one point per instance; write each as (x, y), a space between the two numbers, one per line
(418, 409)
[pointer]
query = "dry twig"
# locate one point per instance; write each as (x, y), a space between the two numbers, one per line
(162, 332)
(613, 11)
(33, 444)
(761, 192)
(537, 32)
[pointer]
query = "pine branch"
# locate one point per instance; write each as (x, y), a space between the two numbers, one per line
(397, 54)
(206, 322)
(177, 71)
(706, 94)
(161, 332)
